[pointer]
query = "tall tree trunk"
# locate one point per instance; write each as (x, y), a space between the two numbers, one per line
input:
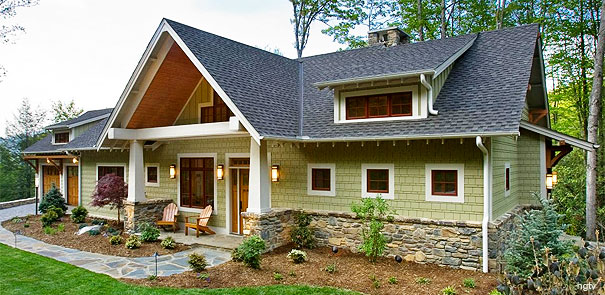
(443, 20)
(593, 127)
(420, 22)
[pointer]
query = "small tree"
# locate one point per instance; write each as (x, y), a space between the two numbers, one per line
(53, 198)
(372, 212)
(110, 190)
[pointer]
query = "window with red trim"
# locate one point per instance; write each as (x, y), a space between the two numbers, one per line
(106, 170)
(379, 106)
(444, 182)
(62, 137)
(507, 178)
(378, 180)
(320, 179)
(197, 182)
(218, 112)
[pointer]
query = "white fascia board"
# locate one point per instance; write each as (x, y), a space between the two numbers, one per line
(385, 138)
(365, 79)
(135, 76)
(454, 57)
(94, 119)
(165, 27)
(173, 132)
(585, 145)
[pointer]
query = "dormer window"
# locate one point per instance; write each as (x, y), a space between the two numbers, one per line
(379, 106)
(62, 137)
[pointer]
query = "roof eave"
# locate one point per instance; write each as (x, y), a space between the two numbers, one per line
(397, 137)
(373, 78)
(585, 145)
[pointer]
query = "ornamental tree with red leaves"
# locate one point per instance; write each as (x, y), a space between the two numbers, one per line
(111, 190)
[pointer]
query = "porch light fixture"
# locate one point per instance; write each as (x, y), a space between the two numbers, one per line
(220, 172)
(172, 171)
(75, 160)
(555, 179)
(275, 173)
(549, 181)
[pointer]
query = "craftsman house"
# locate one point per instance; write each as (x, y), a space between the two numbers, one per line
(455, 133)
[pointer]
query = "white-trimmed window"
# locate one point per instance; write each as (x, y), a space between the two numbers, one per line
(321, 179)
(444, 183)
(506, 179)
(378, 179)
(111, 168)
(60, 137)
(152, 175)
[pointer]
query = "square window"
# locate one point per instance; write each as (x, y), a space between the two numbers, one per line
(401, 104)
(378, 180)
(152, 175)
(356, 107)
(62, 137)
(378, 106)
(321, 179)
(445, 182)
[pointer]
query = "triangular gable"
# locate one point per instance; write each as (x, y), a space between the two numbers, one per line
(132, 110)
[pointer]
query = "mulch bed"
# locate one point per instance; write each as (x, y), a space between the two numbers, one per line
(353, 273)
(85, 242)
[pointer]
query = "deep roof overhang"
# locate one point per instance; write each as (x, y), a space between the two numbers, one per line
(585, 145)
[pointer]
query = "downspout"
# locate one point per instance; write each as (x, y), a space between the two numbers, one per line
(486, 203)
(429, 87)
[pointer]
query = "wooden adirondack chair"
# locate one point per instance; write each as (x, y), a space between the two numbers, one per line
(200, 222)
(169, 217)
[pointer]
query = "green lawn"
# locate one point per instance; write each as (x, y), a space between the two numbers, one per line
(26, 273)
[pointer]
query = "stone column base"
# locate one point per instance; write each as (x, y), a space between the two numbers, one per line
(146, 211)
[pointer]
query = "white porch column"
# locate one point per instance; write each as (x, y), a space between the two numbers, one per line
(258, 194)
(136, 172)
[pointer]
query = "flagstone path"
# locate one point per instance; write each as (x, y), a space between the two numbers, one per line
(114, 266)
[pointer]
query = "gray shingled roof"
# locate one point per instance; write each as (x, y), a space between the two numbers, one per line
(84, 117)
(483, 94)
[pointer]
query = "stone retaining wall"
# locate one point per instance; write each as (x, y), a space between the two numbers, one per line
(453, 244)
(15, 203)
(147, 211)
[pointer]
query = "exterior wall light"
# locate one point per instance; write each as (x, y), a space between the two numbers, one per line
(275, 173)
(75, 160)
(549, 181)
(220, 172)
(555, 179)
(172, 171)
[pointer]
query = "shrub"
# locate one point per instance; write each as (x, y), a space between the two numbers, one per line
(277, 276)
(26, 225)
(49, 217)
(94, 232)
(197, 262)
(168, 243)
(449, 290)
(469, 283)
(375, 281)
(152, 277)
(52, 198)
(115, 240)
(543, 228)
(423, 281)
(112, 231)
(61, 227)
(301, 234)
(98, 222)
(249, 252)
(132, 242)
(16, 220)
(292, 273)
(149, 233)
(495, 292)
(60, 212)
(393, 281)
(82, 225)
(49, 230)
(78, 214)
(331, 268)
(204, 277)
(297, 256)
(372, 211)
(111, 190)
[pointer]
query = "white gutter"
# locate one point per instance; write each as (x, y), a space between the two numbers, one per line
(486, 203)
(430, 94)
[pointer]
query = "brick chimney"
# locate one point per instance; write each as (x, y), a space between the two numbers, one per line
(390, 36)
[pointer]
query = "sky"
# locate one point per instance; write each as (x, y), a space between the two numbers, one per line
(86, 50)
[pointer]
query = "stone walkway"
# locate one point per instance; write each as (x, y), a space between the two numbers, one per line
(115, 266)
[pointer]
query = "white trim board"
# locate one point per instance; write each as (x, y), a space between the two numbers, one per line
(459, 198)
(310, 190)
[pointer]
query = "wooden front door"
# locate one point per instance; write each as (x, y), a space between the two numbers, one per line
(72, 185)
(50, 178)
(239, 198)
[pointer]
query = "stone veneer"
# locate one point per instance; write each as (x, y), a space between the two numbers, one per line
(146, 211)
(454, 244)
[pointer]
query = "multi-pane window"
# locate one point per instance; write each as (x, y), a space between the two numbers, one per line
(106, 170)
(218, 112)
(320, 179)
(379, 106)
(152, 177)
(378, 180)
(62, 137)
(197, 182)
(444, 182)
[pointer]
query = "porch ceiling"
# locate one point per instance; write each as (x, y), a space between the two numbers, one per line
(168, 92)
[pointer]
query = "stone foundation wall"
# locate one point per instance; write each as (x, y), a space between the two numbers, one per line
(147, 211)
(454, 244)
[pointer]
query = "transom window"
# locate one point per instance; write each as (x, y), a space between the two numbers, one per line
(106, 170)
(218, 112)
(62, 137)
(197, 182)
(320, 179)
(378, 180)
(379, 106)
(444, 182)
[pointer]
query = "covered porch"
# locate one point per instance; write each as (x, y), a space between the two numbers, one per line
(58, 170)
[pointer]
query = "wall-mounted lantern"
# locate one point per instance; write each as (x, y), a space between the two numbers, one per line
(275, 173)
(555, 179)
(75, 160)
(549, 181)
(220, 172)
(172, 171)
